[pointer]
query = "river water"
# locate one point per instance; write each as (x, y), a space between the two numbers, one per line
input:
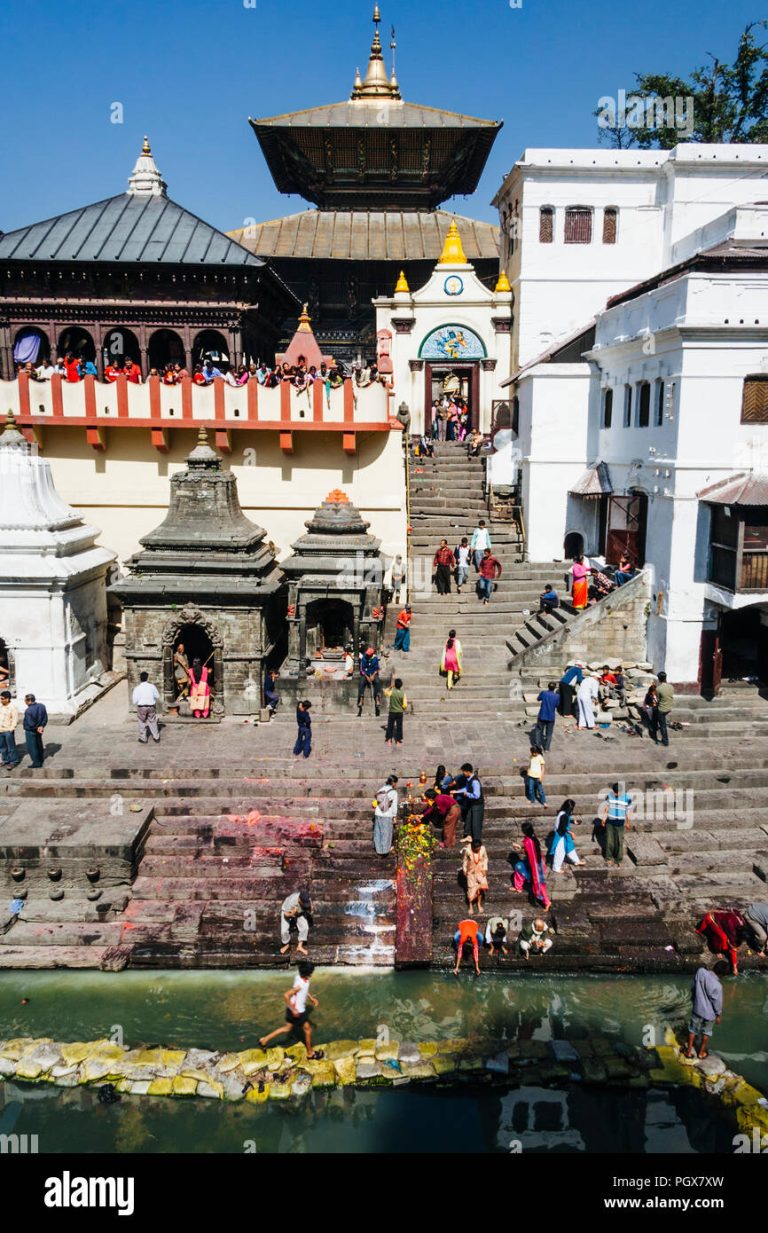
(229, 1010)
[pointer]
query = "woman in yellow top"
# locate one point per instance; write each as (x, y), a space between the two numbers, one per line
(451, 665)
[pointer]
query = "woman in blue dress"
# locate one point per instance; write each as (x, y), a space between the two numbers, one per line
(563, 846)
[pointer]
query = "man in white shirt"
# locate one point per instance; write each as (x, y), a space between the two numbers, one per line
(145, 699)
(45, 371)
(297, 1015)
(481, 539)
(9, 718)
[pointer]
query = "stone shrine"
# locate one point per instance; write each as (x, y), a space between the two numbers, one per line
(207, 579)
(335, 577)
(53, 606)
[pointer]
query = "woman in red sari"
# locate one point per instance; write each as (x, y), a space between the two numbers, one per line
(724, 932)
(200, 691)
(580, 587)
(529, 871)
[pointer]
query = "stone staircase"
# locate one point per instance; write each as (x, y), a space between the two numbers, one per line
(212, 875)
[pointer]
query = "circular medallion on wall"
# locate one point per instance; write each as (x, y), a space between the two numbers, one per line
(453, 285)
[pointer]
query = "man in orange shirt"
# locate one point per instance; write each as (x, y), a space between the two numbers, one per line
(132, 371)
(403, 635)
(467, 932)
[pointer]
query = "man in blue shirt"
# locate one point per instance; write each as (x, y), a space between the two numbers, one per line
(707, 1007)
(369, 678)
(549, 699)
(35, 720)
(549, 599)
(616, 818)
(470, 797)
(569, 682)
(304, 739)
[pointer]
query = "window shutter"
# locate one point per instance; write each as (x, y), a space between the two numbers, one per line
(546, 225)
(578, 225)
(754, 404)
(610, 222)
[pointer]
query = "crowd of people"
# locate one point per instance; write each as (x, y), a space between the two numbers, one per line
(454, 564)
(301, 375)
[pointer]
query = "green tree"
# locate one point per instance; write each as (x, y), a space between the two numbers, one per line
(719, 103)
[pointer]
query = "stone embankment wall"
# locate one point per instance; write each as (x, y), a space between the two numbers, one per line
(257, 1075)
(616, 628)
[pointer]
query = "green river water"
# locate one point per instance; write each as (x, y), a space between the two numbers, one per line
(229, 1010)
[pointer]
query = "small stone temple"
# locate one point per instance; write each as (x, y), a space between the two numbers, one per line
(53, 596)
(335, 577)
(205, 579)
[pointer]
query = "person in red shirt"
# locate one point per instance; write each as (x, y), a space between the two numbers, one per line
(72, 368)
(444, 564)
(468, 931)
(112, 372)
(132, 372)
(442, 810)
(490, 570)
(403, 635)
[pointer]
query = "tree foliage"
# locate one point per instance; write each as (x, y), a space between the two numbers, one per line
(720, 102)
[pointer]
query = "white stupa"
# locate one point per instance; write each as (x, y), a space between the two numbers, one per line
(53, 607)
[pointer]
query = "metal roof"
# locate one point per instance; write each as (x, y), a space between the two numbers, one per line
(594, 482)
(128, 228)
(741, 489)
(367, 235)
(373, 113)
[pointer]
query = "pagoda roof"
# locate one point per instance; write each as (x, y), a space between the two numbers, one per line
(140, 225)
(376, 152)
(127, 228)
(368, 235)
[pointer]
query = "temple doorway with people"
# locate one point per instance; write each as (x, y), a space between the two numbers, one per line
(452, 383)
(190, 671)
(626, 528)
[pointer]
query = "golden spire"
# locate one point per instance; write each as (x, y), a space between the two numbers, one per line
(202, 435)
(305, 326)
(377, 84)
(453, 249)
(145, 149)
(402, 284)
(503, 283)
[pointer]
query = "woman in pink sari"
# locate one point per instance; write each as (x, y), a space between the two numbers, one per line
(200, 691)
(580, 588)
(451, 663)
(529, 870)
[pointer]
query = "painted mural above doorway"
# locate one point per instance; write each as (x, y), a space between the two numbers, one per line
(452, 342)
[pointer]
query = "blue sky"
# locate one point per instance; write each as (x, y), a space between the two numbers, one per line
(189, 73)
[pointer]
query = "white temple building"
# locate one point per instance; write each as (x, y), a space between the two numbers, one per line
(53, 608)
(640, 383)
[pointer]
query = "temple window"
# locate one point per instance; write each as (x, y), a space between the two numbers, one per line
(754, 400)
(546, 225)
(610, 224)
(607, 408)
(644, 405)
(578, 225)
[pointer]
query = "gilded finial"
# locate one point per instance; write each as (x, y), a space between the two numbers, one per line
(10, 419)
(305, 321)
(453, 249)
(503, 284)
(202, 435)
(402, 283)
(145, 149)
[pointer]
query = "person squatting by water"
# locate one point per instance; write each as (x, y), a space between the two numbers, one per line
(296, 1013)
(296, 909)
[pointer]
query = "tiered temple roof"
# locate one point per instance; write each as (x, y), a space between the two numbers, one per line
(376, 151)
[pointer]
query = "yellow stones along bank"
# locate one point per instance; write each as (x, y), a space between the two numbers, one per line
(259, 1075)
